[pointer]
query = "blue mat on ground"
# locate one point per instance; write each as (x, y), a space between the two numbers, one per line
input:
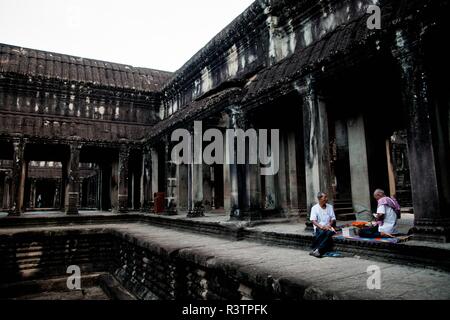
(397, 239)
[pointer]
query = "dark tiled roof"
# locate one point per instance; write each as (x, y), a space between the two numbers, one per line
(197, 110)
(338, 43)
(36, 63)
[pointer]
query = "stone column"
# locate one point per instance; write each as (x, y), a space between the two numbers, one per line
(292, 174)
(390, 166)
(228, 177)
(316, 145)
(17, 178)
(154, 171)
(107, 186)
(170, 179)
(232, 179)
(245, 180)
(7, 191)
(124, 154)
(63, 186)
(359, 170)
(132, 191)
(182, 187)
(282, 176)
(146, 180)
(196, 205)
(100, 188)
(207, 187)
(253, 188)
(33, 193)
(72, 194)
(2, 188)
(57, 197)
(428, 152)
(81, 192)
(190, 199)
(252, 208)
(115, 185)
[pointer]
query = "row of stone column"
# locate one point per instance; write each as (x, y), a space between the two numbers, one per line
(70, 180)
(244, 190)
(427, 155)
(428, 151)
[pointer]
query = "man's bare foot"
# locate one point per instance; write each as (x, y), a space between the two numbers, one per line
(387, 235)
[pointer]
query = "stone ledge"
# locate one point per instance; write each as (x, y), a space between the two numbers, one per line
(424, 255)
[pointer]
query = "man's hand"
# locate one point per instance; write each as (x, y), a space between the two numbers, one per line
(328, 228)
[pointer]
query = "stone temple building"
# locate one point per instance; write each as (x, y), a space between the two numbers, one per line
(358, 108)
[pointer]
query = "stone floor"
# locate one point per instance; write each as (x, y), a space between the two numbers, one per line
(407, 220)
(298, 226)
(286, 226)
(344, 277)
(282, 226)
(92, 293)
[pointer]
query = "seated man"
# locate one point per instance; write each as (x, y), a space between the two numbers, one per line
(323, 219)
(386, 217)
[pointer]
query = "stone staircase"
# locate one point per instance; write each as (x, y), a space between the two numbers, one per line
(343, 210)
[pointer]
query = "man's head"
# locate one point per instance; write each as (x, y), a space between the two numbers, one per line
(378, 194)
(322, 197)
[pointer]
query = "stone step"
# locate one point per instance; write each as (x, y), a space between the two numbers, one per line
(343, 209)
(342, 205)
(273, 221)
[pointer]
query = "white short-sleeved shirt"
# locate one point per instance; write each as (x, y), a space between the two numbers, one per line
(390, 220)
(322, 216)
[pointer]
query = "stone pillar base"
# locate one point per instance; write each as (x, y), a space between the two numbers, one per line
(72, 207)
(14, 213)
(146, 207)
(246, 215)
(197, 211)
(72, 211)
(431, 231)
(123, 203)
(293, 212)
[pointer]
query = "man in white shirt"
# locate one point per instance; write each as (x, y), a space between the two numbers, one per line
(385, 214)
(323, 218)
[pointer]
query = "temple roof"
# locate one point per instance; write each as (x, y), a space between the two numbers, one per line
(196, 110)
(339, 43)
(49, 65)
(336, 43)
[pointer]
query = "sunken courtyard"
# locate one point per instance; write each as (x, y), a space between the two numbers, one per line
(88, 179)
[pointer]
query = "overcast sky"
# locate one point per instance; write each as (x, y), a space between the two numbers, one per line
(161, 34)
